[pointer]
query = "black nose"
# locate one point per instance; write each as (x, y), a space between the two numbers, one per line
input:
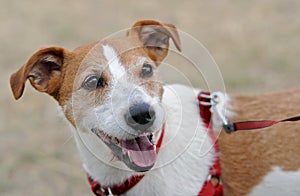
(140, 117)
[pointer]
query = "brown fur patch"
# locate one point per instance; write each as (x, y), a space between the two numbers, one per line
(247, 156)
(44, 70)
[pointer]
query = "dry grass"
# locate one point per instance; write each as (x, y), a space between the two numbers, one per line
(255, 43)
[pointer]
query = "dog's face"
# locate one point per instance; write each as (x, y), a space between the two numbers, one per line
(118, 99)
(109, 88)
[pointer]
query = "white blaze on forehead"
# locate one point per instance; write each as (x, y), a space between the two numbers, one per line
(141, 61)
(115, 67)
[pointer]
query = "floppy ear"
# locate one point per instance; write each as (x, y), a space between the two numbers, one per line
(43, 69)
(155, 37)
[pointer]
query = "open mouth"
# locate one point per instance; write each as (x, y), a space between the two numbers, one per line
(139, 154)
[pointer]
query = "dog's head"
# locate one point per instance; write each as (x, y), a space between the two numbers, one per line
(109, 88)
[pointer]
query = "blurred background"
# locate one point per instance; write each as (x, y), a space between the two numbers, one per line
(256, 45)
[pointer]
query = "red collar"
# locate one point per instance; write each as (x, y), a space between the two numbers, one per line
(122, 188)
(116, 189)
(212, 187)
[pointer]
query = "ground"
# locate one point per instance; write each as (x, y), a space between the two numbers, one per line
(254, 43)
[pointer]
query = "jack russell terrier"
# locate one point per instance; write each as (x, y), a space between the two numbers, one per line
(139, 137)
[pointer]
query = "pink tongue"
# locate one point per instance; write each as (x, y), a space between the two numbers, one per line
(142, 151)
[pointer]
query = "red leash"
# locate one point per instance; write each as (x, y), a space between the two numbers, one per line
(248, 125)
(217, 102)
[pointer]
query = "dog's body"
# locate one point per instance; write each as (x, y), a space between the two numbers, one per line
(108, 92)
(267, 159)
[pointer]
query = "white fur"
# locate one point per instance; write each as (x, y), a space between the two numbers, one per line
(183, 161)
(115, 67)
(279, 182)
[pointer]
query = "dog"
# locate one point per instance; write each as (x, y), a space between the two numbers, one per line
(137, 136)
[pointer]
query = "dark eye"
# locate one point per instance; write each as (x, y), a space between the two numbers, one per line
(93, 82)
(147, 70)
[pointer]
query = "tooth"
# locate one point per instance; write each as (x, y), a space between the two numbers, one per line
(114, 140)
(128, 154)
(153, 139)
(154, 146)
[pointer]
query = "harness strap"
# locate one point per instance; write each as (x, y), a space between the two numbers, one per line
(212, 187)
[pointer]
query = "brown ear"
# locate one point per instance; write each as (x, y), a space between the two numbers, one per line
(43, 69)
(155, 37)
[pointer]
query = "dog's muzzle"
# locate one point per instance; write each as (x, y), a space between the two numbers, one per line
(139, 151)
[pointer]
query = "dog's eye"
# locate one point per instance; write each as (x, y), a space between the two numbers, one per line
(147, 70)
(93, 82)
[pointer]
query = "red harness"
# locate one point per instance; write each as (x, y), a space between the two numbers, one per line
(210, 188)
